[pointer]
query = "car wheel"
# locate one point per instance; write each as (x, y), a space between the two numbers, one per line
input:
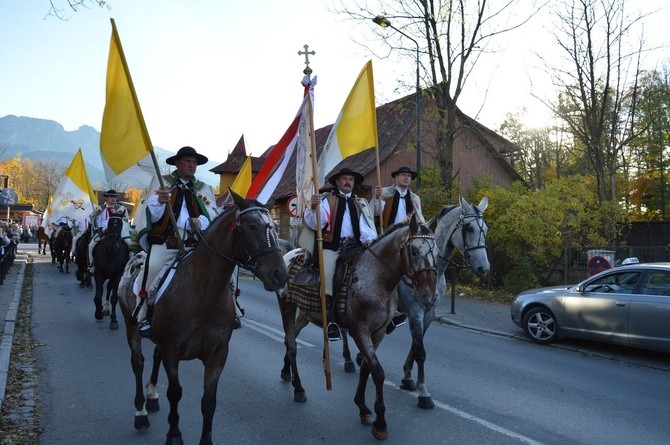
(540, 325)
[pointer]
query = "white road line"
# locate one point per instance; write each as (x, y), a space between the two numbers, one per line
(492, 426)
(271, 332)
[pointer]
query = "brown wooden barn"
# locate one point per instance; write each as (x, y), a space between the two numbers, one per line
(478, 152)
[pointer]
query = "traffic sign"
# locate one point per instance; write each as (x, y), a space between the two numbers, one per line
(292, 205)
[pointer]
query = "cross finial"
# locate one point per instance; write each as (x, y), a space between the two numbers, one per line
(306, 53)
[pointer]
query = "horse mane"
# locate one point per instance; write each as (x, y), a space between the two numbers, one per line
(446, 209)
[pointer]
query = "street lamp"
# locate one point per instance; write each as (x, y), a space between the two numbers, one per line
(386, 23)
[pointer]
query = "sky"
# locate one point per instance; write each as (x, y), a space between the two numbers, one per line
(207, 72)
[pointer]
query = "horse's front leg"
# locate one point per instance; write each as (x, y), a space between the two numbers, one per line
(425, 399)
(152, 404)
(370, 365)
(113, 323)
(97, 299)
(213, 370)
(288, 318)
(415, 321)
(174, 393)
(137, 363)
(349, 365)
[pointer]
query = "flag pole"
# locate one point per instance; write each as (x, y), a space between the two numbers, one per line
(145, 134)
(319, 248)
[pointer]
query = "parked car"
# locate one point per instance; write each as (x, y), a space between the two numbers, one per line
(627, 305)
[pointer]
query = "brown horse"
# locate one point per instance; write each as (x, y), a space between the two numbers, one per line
(194, 318)
(42, 241)
(365, 305)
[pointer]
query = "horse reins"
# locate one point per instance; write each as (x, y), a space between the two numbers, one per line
(481, 244)
(409, 278)
(250, 262)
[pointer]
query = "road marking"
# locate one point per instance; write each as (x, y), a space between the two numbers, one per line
(271, 332)
(492, 426)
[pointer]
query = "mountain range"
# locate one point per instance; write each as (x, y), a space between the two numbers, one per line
(44, 139)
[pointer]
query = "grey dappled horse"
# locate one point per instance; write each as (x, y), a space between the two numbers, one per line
(405, 252)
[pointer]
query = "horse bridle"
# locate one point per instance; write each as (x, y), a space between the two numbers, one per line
(481, 243)
(270, 239)
(410, 278)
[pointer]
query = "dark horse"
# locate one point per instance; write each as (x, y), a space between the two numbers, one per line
(406, 251)
(195, 316)
(62, 247)
(81, 259)
(110, 256)
(42, 241)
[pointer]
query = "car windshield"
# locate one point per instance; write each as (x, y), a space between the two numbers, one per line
(622, 283)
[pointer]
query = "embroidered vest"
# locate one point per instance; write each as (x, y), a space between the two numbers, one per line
(331, 234)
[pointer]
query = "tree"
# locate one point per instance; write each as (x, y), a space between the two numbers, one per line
(454, 35)
(59, 8)
(34, 181)
(598, 82)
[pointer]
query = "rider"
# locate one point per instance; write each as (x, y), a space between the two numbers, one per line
(100, 218)
(343, 216)
(398, 203)
(192, 202)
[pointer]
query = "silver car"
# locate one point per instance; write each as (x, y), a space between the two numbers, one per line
(628, 305)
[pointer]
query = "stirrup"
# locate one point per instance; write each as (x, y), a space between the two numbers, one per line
(144, 328)
(333, 331)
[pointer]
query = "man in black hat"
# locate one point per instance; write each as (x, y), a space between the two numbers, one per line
(343, 216)
(396, 205)
(193, 204)
(100, 219)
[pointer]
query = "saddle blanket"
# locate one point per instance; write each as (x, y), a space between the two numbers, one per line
(158, 285)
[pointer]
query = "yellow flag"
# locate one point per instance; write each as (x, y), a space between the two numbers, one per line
(355, 129)
(124, 140)
(243, 179)
(73, 197)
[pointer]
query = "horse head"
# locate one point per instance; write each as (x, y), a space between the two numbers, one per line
(260, 252)
(463, 228)
(419, 261)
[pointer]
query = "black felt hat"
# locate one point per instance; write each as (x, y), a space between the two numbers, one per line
(110, 194)
(187, 152)
(358, 178)
(404, 170)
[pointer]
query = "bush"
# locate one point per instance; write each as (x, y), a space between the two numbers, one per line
(521, 277)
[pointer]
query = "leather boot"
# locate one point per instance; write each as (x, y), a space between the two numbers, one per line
(399, 319)
(145, 325)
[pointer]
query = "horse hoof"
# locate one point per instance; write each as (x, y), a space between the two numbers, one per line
(380, 434)
(105, 313)
(174, 440)
(367, 419)
(113, 325)
(142, 423)
(98, 315)
(425, 402)
(349, 367)
(408, 385)
(151, 405)
(300, 397)
(286, 376)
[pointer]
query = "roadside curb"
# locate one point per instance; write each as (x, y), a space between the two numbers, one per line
(8, 334)
(446, 320)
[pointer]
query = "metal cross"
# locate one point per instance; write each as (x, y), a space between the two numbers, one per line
(306, 53)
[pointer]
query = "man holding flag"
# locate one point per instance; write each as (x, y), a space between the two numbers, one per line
(100, 219)
(344, 217)
(192, 203)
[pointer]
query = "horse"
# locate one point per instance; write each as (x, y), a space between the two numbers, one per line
(61, 247)
(81, 259)
(458, 227)
(406, 251)
(42, 241)
(110, 256)
(195, 315)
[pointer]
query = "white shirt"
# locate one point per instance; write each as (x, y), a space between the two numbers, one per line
(157, 209)
(347, 231)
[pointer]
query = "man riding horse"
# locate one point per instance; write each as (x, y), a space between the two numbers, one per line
(193, 205)
(344, 216)
(100, 219)
(398, 203)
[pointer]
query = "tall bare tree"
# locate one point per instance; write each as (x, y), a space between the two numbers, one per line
(599, 82)
(62, 8)
(452, 36)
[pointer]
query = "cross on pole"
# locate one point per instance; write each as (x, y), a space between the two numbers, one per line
(306, 53)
